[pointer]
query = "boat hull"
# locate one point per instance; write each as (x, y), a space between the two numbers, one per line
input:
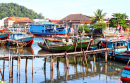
(29, 41)
(4, 36)
(125, 77)
(56, 49)
(83, 45)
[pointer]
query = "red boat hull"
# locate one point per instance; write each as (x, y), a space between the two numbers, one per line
(29, 42)
(125, 79)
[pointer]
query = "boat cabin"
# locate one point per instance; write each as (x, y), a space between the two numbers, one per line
(119, 44)
(42, 28)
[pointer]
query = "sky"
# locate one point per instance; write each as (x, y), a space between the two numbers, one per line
(58, 9)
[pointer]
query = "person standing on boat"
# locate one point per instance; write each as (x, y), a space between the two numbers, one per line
(99, 45)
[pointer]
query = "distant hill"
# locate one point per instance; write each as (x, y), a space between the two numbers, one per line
(15, 10)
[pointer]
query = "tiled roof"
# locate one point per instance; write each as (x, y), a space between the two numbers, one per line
(19, 19)
(28, 21)
(54, 21)
(80, 18)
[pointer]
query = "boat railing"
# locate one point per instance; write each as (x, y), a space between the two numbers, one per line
(19, 29)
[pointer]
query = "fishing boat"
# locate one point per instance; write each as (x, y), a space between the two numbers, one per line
(125, 76)
(58, 45)
(3, 36)
(120, 45)
(48, 30)
(84, 42)
(22, 37)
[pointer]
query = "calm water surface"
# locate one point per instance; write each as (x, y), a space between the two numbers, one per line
(98, 72)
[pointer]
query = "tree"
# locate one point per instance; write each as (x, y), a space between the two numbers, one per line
(99, 25)
(118, 18)
(85, 26)
(98, 22)
(98, 16)
(13, 9)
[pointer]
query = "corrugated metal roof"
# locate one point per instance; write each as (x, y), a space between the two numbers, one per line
(45, 22)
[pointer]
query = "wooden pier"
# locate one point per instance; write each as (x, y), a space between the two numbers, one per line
(83, 55)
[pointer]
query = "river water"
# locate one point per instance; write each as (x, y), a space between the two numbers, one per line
(99, 71)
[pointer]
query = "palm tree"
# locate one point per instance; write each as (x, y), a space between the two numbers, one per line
(98, 16)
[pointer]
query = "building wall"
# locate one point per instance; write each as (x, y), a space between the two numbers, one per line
(8, 23)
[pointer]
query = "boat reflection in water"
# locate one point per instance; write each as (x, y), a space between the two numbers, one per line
(23, 51)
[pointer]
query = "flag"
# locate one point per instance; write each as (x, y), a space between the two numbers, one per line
(122, 30)
(72, 29)
(118, 27)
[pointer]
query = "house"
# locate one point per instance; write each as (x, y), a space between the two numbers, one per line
(2, 22)
(74, 20)
(54, 21)
(128, 28)
(21, 22)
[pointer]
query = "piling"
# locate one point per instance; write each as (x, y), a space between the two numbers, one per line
(83, 57)
(106, 56)
(58, 59)
(52, 62)
(26, 65)
(19, 64)
(45, 59)
(66, 60)
(9, 66)
(32, 64)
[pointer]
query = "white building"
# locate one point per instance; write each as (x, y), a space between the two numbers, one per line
(2, 22)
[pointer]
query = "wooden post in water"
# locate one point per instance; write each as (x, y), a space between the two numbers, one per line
(32, 64)
(58, 59)
(19, 64)
(45, 75)
(66, 60)
(45, 59)
(3, 68)
(26, 65)
(51, 76)
(106, 56)
(83, 57)
(94, 56)
(12, 68)
(86, 59)
(9, 66)
(52, 62)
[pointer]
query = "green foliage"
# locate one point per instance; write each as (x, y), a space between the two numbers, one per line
(98, 16)
(99, 25)
(57, 26)
(15, 10)
(118, 18)
(85, 26)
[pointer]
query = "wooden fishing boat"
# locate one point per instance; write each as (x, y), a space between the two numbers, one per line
(118, 44)
(58, 45)
(22, 37)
